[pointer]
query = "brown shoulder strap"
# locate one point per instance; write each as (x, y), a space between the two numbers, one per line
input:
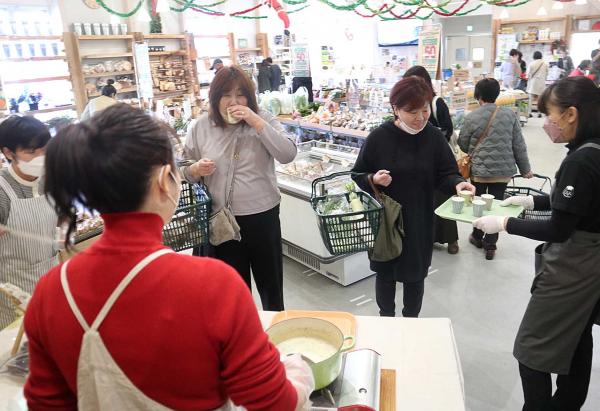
(487, 129)
(374, 188)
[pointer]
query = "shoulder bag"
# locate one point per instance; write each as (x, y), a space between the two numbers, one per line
(388, 243)
(464, 163)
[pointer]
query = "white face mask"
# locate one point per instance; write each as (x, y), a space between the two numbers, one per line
(405, 127)
(174, 201)
(33, 168)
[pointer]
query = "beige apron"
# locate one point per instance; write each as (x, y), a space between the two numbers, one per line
(564, 293)
(22, 260)
(101, 384)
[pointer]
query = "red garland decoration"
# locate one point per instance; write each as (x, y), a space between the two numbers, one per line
(239, 13)
(407, 16)
(383, 6)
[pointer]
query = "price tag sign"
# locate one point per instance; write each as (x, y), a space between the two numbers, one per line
(300, 61)
(143, 71)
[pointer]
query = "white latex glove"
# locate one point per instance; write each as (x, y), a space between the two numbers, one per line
(300, 375)
(491, 224)
(525, 201)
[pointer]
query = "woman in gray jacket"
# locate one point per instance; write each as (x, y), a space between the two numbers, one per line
(493, 162)
(234, 147)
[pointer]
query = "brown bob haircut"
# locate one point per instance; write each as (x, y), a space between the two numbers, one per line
(226, 80)
(411, 93)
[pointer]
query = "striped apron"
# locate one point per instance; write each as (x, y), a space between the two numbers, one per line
(23, 261)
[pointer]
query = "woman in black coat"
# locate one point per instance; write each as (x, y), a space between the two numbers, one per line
(444, 231)
(409, 159)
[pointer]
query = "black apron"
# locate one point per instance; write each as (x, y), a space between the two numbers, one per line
(564, 293)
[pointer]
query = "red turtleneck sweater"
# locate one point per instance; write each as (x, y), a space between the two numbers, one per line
(185, 331)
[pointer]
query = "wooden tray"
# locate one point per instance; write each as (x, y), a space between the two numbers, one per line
(445, 211)
(387, 395)
(346, 322)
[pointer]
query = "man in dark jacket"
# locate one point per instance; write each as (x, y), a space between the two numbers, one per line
(275, 74)
(264, 77)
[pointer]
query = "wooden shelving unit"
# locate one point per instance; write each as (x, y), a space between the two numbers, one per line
(262, 49)
(95, 50)
(44, 57)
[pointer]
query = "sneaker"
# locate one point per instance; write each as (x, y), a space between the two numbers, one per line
(477, 243)
(489, 254)
(453, 248)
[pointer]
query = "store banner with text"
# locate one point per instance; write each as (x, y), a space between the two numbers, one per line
(429, 49)
(300, 61)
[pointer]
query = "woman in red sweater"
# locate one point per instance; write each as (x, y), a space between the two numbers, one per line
(176, 332)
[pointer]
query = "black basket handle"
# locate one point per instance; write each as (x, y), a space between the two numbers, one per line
(330, 177)
(547, 180)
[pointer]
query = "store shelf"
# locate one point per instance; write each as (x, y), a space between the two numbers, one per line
(537, 42)
(38, 80)
(122, 91)
(164, 36)
(45, 58)
(168, 53)
(113, 37)
(18, 38)
(170, 93)
(50, 110)
(109, 74)
(106, 55)
(247, 50)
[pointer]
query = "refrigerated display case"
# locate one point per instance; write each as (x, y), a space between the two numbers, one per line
(301, 237)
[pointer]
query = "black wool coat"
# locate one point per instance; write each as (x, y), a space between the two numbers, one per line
(419, 164)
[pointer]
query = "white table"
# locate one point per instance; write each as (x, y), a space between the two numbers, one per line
(422, 351)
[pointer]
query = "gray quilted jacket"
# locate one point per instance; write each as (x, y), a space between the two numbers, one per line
(502, 147)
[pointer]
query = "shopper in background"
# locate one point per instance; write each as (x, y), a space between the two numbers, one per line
(234, 147)
(106, 99)
(217, 65)
(24, 209)
(409, 159)
(583, 69)
(264, 77)
(537, 74)
(128, 324)
(522, 83)
(511, 69)
(275, 74)
(555, 335)
(595, 56)
(493, 162)
(445, 231)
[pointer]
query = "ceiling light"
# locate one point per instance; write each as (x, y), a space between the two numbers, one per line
(541, 12)
(580, 2)
(557, 5)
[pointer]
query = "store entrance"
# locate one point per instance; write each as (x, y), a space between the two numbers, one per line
(472, 52)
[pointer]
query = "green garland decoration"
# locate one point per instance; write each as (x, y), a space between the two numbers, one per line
(116, 13)
(294, 2)
(191, 3)
(264, 17)
(349, 7)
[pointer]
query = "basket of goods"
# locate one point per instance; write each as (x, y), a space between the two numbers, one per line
(189, 226)
(348, 219)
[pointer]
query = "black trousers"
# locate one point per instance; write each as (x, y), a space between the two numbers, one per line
(259, 254)
(385, 294)
(497, 190)
(571, 389)
(444, 231)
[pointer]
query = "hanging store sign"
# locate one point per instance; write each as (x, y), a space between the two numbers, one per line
(429, 49)
(300, 61)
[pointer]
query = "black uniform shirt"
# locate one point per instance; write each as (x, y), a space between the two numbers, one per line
(577, 187)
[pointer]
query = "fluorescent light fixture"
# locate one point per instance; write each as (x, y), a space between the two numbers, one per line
(557, 5)
(162, 6)
(504, 14)
(469, 28)
(580, 2)
(541, 11)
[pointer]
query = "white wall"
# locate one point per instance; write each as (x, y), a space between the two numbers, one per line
(529, 10)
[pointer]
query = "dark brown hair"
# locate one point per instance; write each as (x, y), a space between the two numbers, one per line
(226, 80)
(105, 164)
(579, 92)
(26, 133)
(420, 71)
(411, 93)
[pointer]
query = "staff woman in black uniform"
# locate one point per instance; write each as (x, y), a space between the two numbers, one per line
(555, 336)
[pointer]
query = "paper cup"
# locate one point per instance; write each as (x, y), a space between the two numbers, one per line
(478, 207)
(468, 196)
(457, 204)
(489, 200)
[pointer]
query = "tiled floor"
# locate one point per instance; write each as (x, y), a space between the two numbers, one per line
(484, 299)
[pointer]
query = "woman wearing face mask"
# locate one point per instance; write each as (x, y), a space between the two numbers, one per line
(409, 159)
(128, 324)
(494, 157)
(555, 336)
(24, 209)
(234, 147)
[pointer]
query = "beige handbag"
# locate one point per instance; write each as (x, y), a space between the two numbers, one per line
(222, 226)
